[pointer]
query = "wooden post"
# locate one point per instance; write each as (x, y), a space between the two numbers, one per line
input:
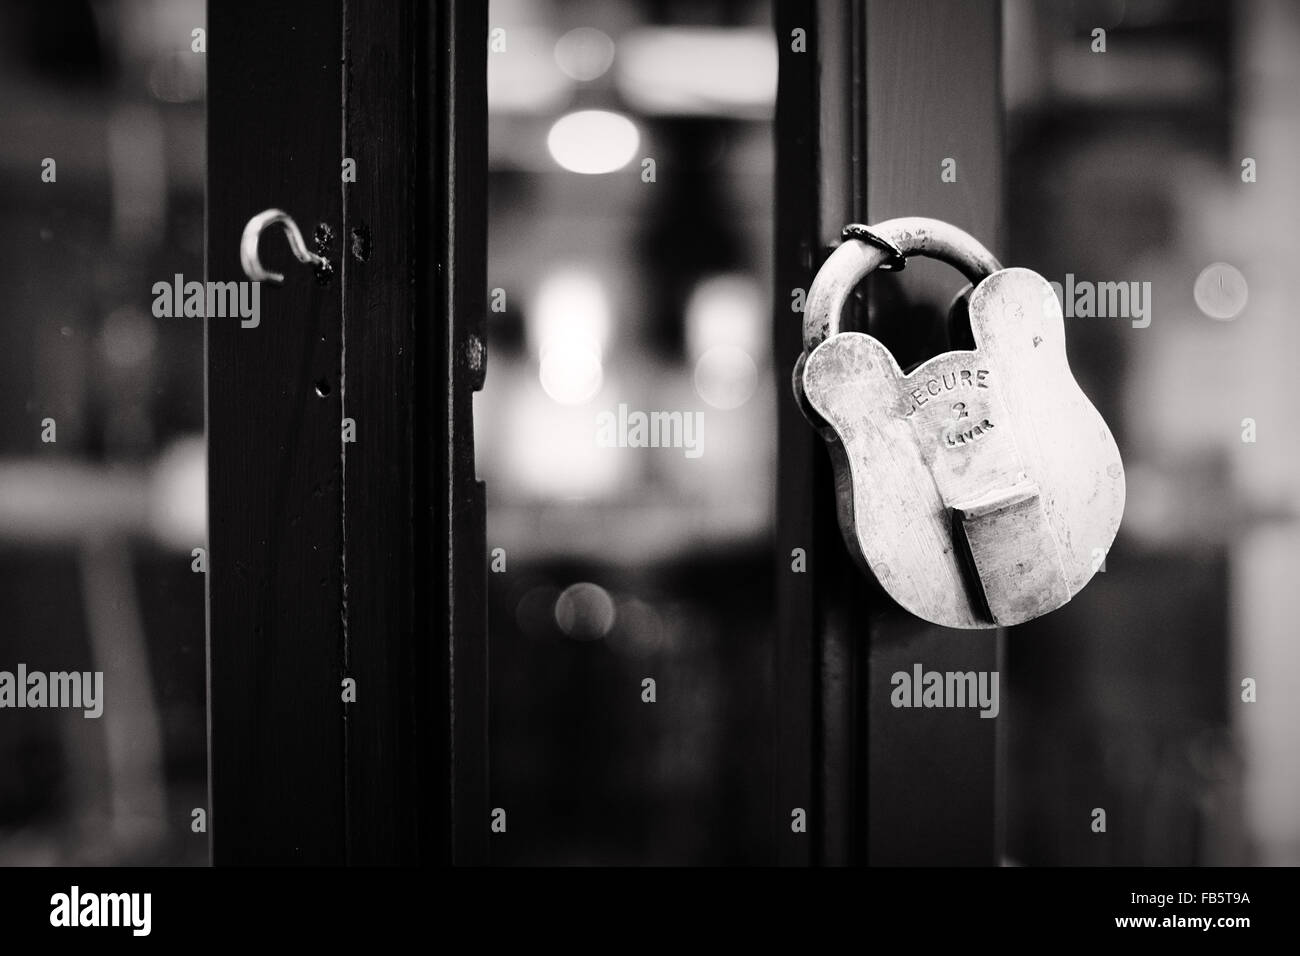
(802, 467)
(341, 476)
(887, 91)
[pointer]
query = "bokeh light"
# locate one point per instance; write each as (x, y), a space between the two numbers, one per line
(1221, 291)
(584, 53)
(593, 141)
(585, 611)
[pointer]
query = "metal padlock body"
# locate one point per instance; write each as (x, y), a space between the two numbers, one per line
(982, 488)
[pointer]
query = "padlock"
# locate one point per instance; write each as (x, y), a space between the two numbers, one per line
(981, 488)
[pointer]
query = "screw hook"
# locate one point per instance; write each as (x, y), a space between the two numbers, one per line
(253, 232)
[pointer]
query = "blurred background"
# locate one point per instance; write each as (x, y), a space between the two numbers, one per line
(1132, 165)
(97, 527)
(648, 286)
(631, 190)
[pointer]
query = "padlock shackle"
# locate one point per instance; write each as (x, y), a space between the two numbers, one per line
(853, 260)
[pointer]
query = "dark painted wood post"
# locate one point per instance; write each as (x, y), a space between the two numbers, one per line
(802, 468)
(328, 557)
(885, 92)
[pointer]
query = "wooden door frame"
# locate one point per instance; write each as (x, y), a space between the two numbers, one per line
(885, 90)
(327, 559)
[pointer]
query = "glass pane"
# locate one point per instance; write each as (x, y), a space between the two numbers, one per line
(627, 429)
(1138, 138)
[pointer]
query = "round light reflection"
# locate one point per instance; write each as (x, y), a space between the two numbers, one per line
(1221, 291)
(593, 141)
(725, 377)
(585, 611)
(571, 373)
(584, 53)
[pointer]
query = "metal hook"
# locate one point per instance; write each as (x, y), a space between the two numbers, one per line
(253, 232)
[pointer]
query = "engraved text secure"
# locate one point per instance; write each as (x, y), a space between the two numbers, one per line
(981, 488)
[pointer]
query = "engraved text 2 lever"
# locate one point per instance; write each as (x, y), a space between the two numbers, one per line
(981, 488)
